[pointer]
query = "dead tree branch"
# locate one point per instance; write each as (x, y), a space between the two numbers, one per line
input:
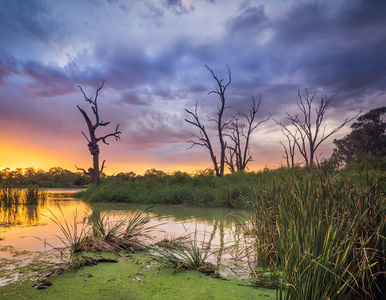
(92, 139)
(312, 135)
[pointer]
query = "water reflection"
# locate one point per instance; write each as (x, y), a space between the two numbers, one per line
(29, 225)
(216, 227)
(16, 210)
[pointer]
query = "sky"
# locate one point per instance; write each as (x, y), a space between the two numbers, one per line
(152, 55)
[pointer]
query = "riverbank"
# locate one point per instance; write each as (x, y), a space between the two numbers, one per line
(135, 276)
(236, 190)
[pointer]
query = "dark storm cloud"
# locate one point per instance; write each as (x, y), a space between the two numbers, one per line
(131, 66)
(249, 20)
(314, 44)
(365, 14)
(33, 19)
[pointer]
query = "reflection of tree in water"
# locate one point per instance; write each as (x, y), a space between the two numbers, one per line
(14, 209)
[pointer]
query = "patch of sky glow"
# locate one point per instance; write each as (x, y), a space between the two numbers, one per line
(265, 36)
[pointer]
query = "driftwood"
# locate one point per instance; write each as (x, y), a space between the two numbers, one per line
(42, 285)
(88, 261)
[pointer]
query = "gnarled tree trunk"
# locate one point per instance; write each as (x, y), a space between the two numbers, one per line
(93, 147)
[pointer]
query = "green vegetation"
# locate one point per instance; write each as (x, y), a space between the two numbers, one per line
(232, 190)
(134, 277)
(97, 233)
(20, 205)
(74, 239)
(324, 234)
(366, 140)
(319, 233)
(206, 190)
(55, 177)
(184, 253)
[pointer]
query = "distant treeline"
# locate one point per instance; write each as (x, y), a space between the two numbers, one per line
(59, 177)
(55, 177)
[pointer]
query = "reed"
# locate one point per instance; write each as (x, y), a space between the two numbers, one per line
(96, 232)
(323, 234)
(74, 238)
(173, 241)
(124, 233)
(101, 224)
(186, 253)
(33, 194)
(9, 196)
(138, 225)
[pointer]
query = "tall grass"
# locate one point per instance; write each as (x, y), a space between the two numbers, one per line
(18, 206)
(33, 194)
(102, 226)
(15, 196)
(9, 196)
(97, 232)
(73, 238)
(185, 252)
(324, 234)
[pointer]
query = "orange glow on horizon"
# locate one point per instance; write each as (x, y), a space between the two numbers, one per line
(19, 155)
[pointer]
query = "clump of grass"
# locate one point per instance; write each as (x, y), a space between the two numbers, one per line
(173, 241)
(74, 238)
(33, 194)
(137, 225)
(15, 208)
(9, 196)
(99, 233)
(185, 253)
(125, 233)
(102, 226)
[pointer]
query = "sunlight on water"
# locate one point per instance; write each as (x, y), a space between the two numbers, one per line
(23, 236)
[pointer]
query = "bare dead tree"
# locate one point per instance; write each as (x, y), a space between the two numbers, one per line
(203, 139)
(289, 153)
(92, 138)
(241, 135)
(308, 128)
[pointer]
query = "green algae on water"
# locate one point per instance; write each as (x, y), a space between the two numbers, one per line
(135, 276)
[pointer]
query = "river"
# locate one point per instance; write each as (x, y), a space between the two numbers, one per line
(23, 229)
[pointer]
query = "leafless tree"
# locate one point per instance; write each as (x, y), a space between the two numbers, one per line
(240, 135)
(312, 135)
(92, 138)
(203, 139)
(289, 153)
(237, 129)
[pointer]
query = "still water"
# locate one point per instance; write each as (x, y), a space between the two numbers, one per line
(24, 228)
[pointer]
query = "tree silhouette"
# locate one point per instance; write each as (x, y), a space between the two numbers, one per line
(203, 139)
(92, 138)
(309, 127)
(240, 136)
(235, 131)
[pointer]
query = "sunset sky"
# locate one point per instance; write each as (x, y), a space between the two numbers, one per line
(152, 55)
